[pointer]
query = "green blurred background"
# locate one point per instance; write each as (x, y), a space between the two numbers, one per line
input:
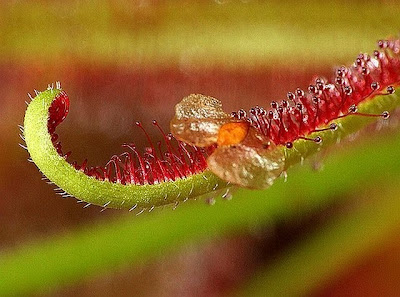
(123, 61)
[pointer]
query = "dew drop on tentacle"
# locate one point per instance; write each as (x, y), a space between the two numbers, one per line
(290, 96)
(385, 115)
(390, 90)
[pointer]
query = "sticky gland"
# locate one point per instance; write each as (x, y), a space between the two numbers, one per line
(250, 150)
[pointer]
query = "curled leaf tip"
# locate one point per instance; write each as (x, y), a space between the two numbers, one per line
(134, 180)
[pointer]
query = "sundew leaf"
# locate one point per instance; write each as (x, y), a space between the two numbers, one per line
(125, 241)
(147, 196)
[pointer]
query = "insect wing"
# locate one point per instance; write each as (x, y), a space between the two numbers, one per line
(253, 163)
(247, 166)
(198, 119)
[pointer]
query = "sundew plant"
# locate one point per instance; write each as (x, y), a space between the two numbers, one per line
(246, 150)
(211, 173)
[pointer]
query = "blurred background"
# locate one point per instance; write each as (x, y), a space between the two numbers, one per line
(126, 61)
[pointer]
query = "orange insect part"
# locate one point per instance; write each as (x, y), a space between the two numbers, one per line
(232, 133)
